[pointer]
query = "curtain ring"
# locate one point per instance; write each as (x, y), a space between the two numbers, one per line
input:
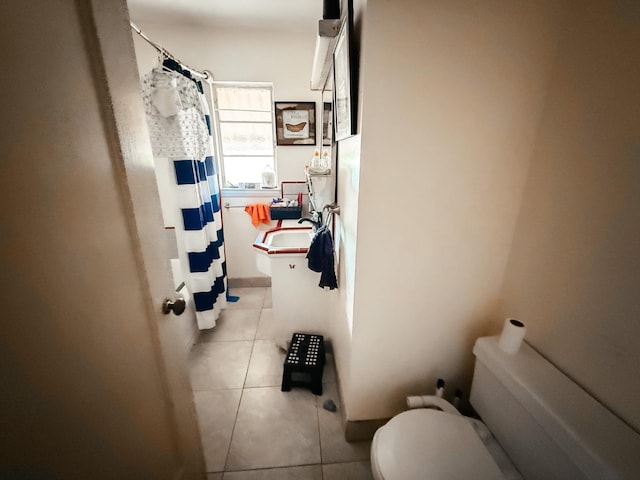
(208, 76)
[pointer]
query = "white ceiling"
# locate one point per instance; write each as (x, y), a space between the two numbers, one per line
(289, 15)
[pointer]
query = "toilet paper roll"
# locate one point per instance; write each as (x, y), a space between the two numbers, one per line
(512, 335)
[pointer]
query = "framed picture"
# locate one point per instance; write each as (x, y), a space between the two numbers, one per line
(295, 123)
(327, 123)
(343, 86)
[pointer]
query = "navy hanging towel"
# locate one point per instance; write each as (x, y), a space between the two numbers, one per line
(321, 258)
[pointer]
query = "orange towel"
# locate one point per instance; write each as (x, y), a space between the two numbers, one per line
(259, 212)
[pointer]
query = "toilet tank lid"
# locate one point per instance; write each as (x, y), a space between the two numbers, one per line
(597, 441)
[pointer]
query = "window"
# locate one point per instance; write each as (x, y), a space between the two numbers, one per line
(244, 113)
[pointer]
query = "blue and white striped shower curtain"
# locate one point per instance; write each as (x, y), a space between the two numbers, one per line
(180, 130)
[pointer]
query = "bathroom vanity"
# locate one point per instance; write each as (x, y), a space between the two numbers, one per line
(299, 305)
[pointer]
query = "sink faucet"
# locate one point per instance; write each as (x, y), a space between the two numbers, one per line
(316, 224)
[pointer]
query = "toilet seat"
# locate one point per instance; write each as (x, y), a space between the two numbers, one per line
(430, 444)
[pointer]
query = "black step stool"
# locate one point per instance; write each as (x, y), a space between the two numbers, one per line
(304, 363)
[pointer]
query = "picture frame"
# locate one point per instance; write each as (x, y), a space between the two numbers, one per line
(295, 123)
(343, 84)
(327, 124)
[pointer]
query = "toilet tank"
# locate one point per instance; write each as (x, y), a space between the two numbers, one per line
(548, 425)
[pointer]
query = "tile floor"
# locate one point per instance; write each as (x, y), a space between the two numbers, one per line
(250, 429)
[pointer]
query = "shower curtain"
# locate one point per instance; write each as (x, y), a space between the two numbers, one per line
(180, 130)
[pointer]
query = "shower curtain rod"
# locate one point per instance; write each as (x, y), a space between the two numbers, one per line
(205, 75)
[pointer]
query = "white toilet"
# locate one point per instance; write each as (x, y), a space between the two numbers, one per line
(541, 425)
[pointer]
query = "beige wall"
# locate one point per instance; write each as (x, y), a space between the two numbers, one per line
(451, 97)
(574, 270)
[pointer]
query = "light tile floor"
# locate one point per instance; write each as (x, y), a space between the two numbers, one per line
(250, 429)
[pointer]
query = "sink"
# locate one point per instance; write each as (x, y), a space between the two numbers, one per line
(284, 241)
(289, 238)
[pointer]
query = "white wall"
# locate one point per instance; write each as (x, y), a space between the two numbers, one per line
(240, 234)
(245, 55)
(346, 235)
(451, 96)
(345, 245)
(574, 270)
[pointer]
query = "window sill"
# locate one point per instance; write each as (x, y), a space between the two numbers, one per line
(250, 192)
